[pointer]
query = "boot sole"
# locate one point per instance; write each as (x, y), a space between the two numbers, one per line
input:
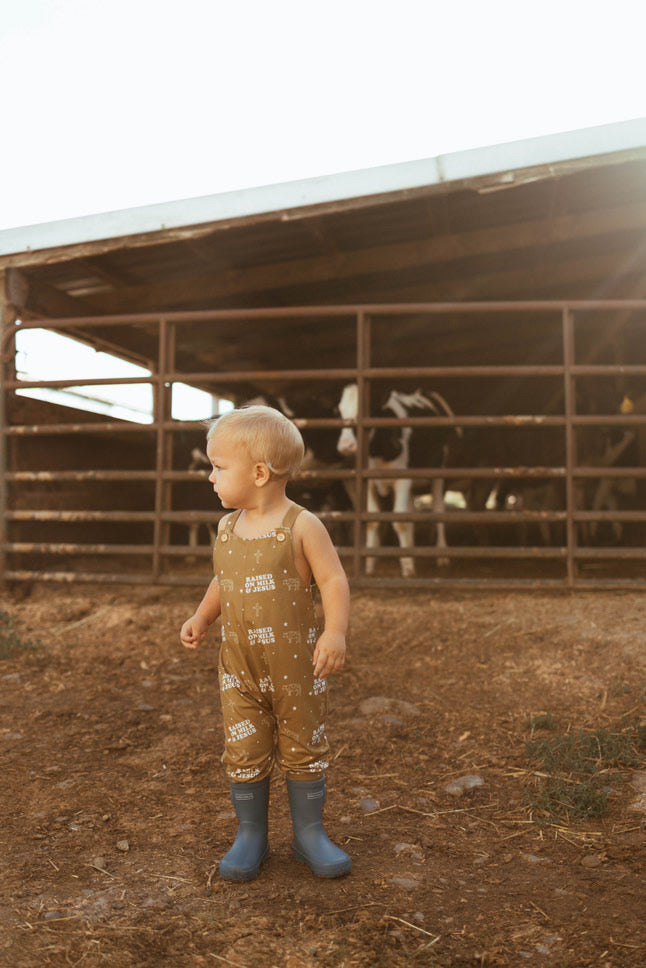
(338, 870)
(243, 875)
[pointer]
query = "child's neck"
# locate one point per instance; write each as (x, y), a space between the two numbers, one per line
(266, 513)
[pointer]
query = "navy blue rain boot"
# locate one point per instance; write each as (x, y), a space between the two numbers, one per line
(311, 844)
(251, 846)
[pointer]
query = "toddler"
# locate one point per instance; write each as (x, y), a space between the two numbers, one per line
(274, 660)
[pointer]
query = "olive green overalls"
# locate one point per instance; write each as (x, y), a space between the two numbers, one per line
(272, 704)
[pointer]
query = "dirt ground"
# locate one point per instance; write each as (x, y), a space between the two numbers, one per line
(115, 807)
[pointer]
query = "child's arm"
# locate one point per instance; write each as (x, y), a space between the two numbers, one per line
(196, 627)
(320, 553)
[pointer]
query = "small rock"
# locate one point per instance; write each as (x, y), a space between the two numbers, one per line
(99, 863)
(106, 817)
(345, 819)
(469, 782)
(534, 858)
(418, 917)
(123, 846)
(592, 860)
(393, 721)
(414, 851)
(225, 815)
(638, 782)
(404, 848)
(369, 805)
(374, 705)
(11, 677)
(145, 707)
(13, 736)
(407, 883)
(545, 947)
(54, 915)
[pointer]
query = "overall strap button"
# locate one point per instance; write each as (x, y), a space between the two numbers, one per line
(224, 537)
(280, 536)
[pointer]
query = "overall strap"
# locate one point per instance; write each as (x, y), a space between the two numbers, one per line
(291, 515)
(232, 520)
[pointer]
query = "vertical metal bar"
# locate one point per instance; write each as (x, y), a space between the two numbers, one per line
(167, 494)
(363, 411)
(159, 389)
(570, 441)
(4, 312)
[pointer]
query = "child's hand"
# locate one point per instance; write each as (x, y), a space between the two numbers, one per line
(193, 632)
(329, 654)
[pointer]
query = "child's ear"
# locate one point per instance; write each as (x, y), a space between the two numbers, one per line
(262, 474)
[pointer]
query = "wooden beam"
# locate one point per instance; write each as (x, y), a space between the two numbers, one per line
(374, 260)
(29, 295)
(114, 277)
(67, 253)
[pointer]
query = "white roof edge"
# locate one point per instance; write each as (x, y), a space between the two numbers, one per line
(551, 149)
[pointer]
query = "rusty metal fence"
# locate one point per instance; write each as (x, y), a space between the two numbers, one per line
(161, 515)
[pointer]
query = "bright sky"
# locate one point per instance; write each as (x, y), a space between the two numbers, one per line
(113, 104)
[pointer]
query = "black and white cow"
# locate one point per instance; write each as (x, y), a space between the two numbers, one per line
(399, 448)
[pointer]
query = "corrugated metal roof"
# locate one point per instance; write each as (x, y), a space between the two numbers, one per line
(508, 164)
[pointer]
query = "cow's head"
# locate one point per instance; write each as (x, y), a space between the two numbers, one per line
(348, 408)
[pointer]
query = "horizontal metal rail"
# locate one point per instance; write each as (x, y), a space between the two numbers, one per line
(206, 551)
(408, 584)
(349, 310)
(454, 516)
(347, 373)
(371, 473)
(510, 420)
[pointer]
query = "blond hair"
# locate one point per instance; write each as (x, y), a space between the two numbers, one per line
(266, 434)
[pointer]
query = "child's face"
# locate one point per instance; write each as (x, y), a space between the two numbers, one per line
(233, 475)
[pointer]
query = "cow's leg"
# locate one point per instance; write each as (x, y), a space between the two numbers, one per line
(477, 495)
(605, 499)
(404, 529)
(372, 528)
(440, 533)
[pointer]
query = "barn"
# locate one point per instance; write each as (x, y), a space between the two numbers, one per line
(508, 280)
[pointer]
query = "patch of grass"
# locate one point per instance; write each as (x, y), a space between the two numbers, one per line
(10, 642)
(582, 752)
(577, 765)
(576, 801)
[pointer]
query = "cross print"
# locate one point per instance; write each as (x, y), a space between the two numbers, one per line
(257, 555)
(257, 610)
